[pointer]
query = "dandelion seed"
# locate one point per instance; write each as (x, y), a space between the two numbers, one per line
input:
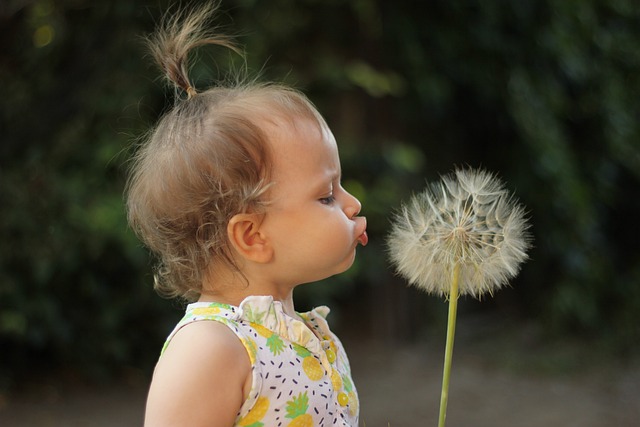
(463, 235)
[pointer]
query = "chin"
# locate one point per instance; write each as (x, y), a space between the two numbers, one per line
(348, 263)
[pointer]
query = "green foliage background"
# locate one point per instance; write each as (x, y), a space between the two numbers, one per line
(544, 93)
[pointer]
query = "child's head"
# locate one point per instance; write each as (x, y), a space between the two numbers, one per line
(208, 159)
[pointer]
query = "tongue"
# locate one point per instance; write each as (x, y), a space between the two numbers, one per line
(363, 239)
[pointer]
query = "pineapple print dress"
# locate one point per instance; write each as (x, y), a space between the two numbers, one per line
(300, 371)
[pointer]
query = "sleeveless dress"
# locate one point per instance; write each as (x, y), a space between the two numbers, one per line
(300, 371)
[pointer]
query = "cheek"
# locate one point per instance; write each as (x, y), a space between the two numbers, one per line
(322, 229)
(337, 231)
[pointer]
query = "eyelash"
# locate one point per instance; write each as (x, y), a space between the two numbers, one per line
(328, 200)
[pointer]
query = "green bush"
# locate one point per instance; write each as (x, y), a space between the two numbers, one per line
(543, 93)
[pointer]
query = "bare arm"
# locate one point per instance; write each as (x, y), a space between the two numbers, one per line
(201, 379)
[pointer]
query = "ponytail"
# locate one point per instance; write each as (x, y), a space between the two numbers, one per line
(177, 36)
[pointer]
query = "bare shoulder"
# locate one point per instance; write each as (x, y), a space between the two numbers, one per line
(200, 379)
(204, 338)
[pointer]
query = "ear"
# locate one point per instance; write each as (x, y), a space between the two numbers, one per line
(243, 231)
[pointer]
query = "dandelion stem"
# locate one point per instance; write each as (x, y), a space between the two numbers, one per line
(448, 353)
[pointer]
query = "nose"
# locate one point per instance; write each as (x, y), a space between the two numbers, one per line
(352, 205)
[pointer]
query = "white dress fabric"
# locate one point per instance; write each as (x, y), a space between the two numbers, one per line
(300, 371)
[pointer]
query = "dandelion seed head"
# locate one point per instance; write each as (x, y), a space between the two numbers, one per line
(468, 219)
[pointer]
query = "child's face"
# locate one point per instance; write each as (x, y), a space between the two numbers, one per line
(312, 221)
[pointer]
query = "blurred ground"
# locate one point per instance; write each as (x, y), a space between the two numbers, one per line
(403, 389)
(495, 383)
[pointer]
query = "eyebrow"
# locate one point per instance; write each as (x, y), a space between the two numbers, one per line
(330, 179)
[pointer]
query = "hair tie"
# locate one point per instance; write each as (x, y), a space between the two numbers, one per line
(191, 92)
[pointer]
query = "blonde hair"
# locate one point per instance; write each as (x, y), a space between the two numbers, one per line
(207, 159)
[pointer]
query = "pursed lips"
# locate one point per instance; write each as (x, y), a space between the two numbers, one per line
(363, 238)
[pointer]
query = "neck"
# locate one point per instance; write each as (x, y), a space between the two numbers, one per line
(233, 288)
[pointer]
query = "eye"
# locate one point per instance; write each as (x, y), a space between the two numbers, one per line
(327, 200)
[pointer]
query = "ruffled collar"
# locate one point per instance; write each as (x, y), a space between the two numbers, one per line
(310, 330)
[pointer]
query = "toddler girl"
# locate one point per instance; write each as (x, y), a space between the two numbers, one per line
(237, 192)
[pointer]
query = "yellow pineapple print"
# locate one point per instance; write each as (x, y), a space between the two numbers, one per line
(251, 348)
(210, 309)
(297, 411)
(262, 330)
(336, 379)
(352, 397)
(252, 419)
(204, 311)
(310, 365)
(353, 403)
(274, 342)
